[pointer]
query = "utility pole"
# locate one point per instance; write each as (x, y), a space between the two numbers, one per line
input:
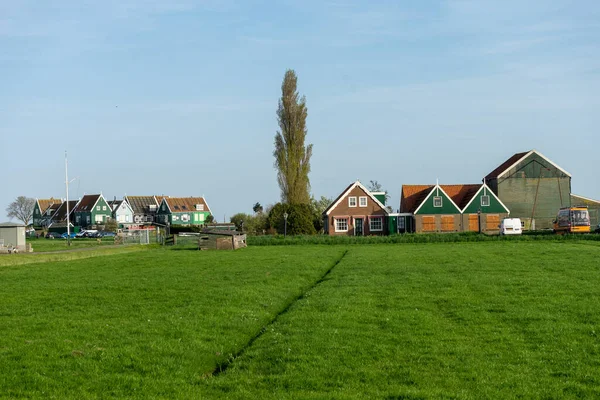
(67, 185)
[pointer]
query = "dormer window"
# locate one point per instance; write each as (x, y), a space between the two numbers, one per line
(199, 207)
(437, 201)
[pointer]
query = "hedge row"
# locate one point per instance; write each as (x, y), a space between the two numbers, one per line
(279, 240)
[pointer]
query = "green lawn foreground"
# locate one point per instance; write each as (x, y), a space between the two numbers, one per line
(152, 323)
(472, 321)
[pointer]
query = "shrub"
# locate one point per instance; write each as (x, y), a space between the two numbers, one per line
(299, 222)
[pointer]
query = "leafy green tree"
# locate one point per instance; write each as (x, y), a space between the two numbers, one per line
(21, 209)
(375, 186)
(299, 221)
(318, 208)
(239, 220)
(292, 157)
(209, 219)
(257, 208)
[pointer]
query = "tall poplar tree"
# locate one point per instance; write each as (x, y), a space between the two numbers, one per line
(292, 157)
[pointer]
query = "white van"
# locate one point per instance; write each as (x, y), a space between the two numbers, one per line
(511, 226)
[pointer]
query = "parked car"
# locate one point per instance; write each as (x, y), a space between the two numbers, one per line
(108, 234)
(53, 235)
(87, 234)
(510, 226)
(72, 235)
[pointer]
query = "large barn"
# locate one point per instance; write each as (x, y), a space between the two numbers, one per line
(532, 187)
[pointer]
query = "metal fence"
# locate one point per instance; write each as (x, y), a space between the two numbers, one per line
(144, 236)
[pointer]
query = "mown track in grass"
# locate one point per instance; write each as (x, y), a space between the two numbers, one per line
(485, 320)
(223, 366)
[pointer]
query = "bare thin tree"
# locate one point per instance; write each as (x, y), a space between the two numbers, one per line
(21, 209)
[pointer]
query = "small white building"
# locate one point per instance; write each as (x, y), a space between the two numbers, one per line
(122, 212)
(12, 235)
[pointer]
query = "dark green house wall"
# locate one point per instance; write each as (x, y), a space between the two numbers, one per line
(81, 217)
(534, 189)
(447, 207)
(495, 206)
(37, 216)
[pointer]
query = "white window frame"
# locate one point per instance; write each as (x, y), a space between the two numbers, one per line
(435, 198)
(103, 208)
(371, 220)
(97, 208)
(360, 201)
(335, 222)
(350, 201)
(485, 196)
(401, 223)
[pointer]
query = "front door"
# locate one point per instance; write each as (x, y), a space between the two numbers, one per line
(358, 227)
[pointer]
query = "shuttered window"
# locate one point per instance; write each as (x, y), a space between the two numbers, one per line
(447, 223)
(428, 224)
(473, 223)
(492, 222)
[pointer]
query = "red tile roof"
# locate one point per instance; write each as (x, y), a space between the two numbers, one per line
(412, 196)
(461, 194)
(505, 165)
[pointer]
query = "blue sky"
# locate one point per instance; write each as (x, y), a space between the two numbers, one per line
(179, 97)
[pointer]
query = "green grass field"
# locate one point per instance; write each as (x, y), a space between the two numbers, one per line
(398, 321)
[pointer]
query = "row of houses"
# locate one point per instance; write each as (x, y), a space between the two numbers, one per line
(527, 185)
(130, 212)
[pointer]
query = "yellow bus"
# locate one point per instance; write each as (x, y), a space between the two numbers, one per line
(572, 220)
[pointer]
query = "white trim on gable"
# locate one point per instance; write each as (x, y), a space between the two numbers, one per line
(488, 192)
(437, 186)
(344, 195)
(500, 175)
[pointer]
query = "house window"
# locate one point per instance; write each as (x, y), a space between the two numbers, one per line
(77, 219)
(97, 208)
(88, 219)
(199, 207)
(352, 201)
(400, 222)
(485, 201)
(362, 201)
(341, 224)
(103, 208)
(376, 224)
(185, 218)
(437, 201)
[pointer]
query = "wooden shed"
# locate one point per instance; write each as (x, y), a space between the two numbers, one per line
(221, 240)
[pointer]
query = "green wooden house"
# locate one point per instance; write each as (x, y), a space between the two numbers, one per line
(451, 208)
(433, 209)
(483, 211)
(92, 209)
(43, 210)
(183, 211)
(533, 187)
